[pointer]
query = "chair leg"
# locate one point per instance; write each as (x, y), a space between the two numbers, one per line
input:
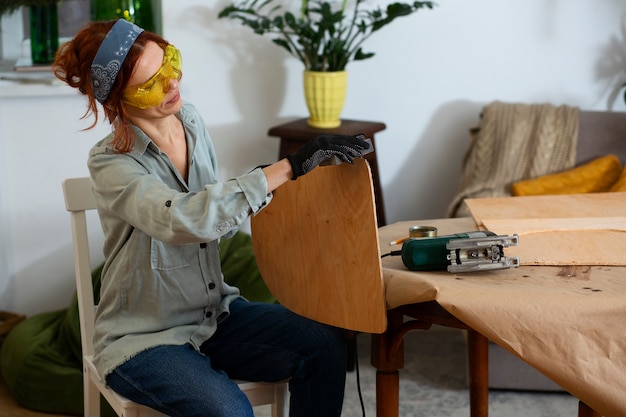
(478, 364)
(280, 408)
(91, 397)
(585, 411)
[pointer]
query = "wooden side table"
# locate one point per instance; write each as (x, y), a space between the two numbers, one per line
(294, 134)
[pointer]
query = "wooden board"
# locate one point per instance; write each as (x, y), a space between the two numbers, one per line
(577, 229)
(316, 245)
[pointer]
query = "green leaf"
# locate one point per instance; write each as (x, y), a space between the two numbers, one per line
(360, 55)
(282, 43)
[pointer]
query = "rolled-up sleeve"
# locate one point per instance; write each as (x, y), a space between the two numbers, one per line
(257, 198)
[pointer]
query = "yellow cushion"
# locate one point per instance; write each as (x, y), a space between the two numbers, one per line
(620, 185)
(593, 177)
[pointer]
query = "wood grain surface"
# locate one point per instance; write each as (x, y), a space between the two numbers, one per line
(316, 245)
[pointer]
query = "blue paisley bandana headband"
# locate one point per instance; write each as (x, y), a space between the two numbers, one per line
(110, 57)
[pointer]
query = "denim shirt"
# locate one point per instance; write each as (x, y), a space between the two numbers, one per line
(162, 282)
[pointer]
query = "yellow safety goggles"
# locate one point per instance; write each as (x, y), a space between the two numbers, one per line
(152, 92)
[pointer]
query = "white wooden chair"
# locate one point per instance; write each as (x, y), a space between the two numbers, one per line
(79, 199)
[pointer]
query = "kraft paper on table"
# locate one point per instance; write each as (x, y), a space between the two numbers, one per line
(566, 321)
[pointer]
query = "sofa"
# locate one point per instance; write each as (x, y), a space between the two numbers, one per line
(572, 138)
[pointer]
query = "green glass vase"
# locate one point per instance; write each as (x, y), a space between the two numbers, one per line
(143, 13)
(44, 32)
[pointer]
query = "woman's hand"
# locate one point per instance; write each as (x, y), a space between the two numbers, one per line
(322, 148)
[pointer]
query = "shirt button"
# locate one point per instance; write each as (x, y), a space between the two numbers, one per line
(208, 314)
(212, 286)
(203, 245)
(168, 203)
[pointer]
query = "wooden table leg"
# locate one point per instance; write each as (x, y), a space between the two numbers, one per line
(585, 411)
(387, 394)
(388, 358)
(478, 369)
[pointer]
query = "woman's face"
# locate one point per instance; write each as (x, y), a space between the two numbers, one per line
(154, 84)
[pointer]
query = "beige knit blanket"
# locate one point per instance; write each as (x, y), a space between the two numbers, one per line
(514, 142)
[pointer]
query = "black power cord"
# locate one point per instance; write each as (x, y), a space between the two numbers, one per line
(356, 351)
(358, 376)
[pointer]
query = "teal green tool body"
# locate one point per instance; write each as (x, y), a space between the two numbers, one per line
(463, 252)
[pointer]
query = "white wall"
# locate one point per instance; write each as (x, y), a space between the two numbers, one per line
(40, 144)
(432, 74)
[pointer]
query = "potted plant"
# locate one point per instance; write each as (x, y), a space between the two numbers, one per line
(325, 36)
(44, 26)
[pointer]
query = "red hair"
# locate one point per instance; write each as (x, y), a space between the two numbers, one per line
(72, 65)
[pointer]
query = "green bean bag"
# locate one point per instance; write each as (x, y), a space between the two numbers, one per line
(240, 269)
(41, 357)
(41, 361)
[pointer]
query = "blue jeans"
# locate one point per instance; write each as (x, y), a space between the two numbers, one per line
(256, 342)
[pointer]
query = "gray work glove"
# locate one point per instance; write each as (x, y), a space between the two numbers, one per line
(324, 147)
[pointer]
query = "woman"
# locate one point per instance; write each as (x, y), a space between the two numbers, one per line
(169, 332)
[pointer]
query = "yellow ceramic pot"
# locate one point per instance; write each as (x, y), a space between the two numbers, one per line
(325, 95)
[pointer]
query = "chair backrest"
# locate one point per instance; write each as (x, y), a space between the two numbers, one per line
(317, 248)
(79, 199)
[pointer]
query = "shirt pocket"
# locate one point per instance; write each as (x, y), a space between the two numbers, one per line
(164, 257)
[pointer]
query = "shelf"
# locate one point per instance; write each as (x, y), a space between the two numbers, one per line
(30, 83)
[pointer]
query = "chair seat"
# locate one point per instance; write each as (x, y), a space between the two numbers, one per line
(119, 403)
(259, 393)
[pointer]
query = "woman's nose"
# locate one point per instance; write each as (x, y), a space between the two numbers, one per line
(172, 83)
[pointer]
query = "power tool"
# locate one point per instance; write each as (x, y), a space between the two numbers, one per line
(462, 252)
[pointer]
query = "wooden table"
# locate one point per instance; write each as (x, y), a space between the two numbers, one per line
(560, 320)
(319, 252)
(295, 133)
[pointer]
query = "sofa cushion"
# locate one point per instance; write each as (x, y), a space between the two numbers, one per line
(601, 133)
(595, 176)
(620, 184)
